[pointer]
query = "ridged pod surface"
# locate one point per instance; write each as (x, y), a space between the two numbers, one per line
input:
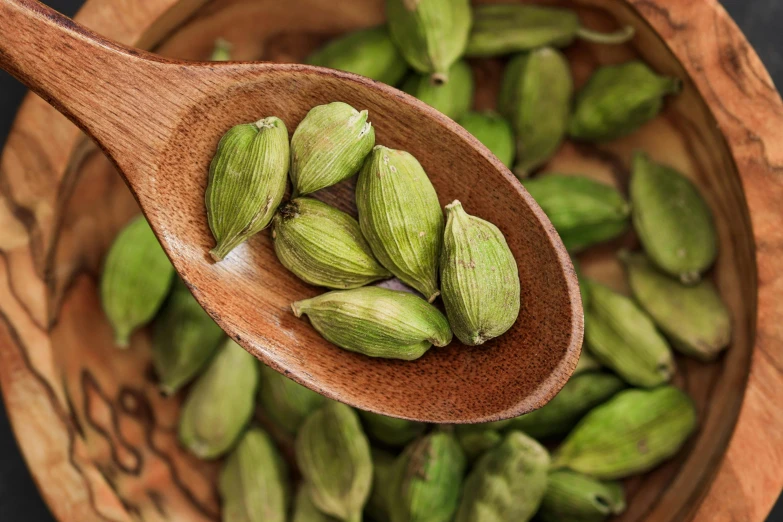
(574, 497)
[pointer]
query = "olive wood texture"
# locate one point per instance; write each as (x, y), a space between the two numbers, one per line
(100, 440)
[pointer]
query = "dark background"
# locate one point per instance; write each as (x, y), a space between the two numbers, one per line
(19, 499)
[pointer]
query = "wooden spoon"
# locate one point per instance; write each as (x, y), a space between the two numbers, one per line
(160, 120)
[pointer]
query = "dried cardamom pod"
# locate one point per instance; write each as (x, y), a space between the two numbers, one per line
(536, 98)
(247, 180)
(427, 479)
(479, 278)
(632, 433)
(430, 34)
(617, 100)
(287, 403)
(377, 322)
(452, 99)
(389, 430)
(333, 455)
(673, 221)
(587, 363)
(328, 146)
(382, 473)
(222, 51)
(305, 510)
(135, 281)
(622, 337)
(476, 441)
(368, 52)
(493, 131)
(220, 404)
(400, 217)
(510, 28)
(185, 339)
(507, 483)
(574, 497)
(254, 481)
(323, 246)
(694, 318)
(583, 211)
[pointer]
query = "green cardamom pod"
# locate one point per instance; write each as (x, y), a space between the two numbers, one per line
(574, 497)
(632, 433)
(452, 99)
(617, 100)
(535, 97)
(507, 483)
(382, 473)
(693, 317)
(220, 404)
(494, 132)
(222, 51)
(476, 441)
(333, 455)
(254, 481)
(479, 278)
(672, 220)
(430, 34)
(623, 337)
(305, 510)
(368, 52)
(135, 281)
(328, 146)
(500, 29)
(583, 290)
(377, 322)
(583, 211)
(323, 246)
(586, 364)
(389, 430)
(247, 180)
(579, 395)
(185, 339)
(400, 217)
(287, 403)
(427, 479)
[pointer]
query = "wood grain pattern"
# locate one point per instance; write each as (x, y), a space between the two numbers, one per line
(97, 437)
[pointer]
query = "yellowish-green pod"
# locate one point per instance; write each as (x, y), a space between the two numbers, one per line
(377, 322)
(674, 223)
(135, 281)
(287, 403)
(389, 430)
(221, 51)
(430, 34)
(453, 98)
(632, 433)
(476, 441)
(479, 278)
(587, 363)
(575, 497)
(247, 180)
(400, 216)
(305, 510)
(382, 474)
(323, 246)
(220, 404)
(333, 455)
(368, 52)
(328, 146)
(494, 132)
(254, 481)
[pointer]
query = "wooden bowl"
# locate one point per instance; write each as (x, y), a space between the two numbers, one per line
(100, 440)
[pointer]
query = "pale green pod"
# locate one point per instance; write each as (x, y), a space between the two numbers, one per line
(220, 404)
(305, 510)
(507, 483)
(377, 506)
(476, 441)
(333, 455)
(221, 51)
(631, 434)
(328, 146)
(323, 246)
(430, 34)
(135, 281)
(584, 212)
(536, 98)
(377, 322)
(623, 337)
(479, 278)
(389, 430)
(247, 180)
(617, 100)
(673, 221)
(368, 52)
(574, 497)
(587, 363)
(287, 403)
(185, 339)
(253, 483)
(453, 98)
(494, 131)
(427, 480)
(400, 217)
